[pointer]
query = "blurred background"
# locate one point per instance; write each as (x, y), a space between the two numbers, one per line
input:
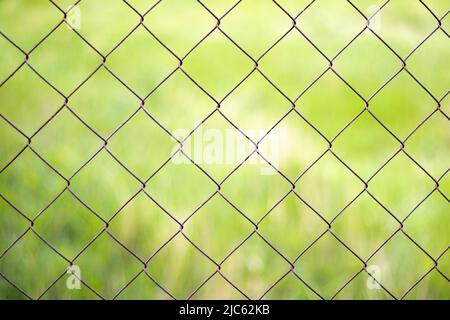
(106, 184)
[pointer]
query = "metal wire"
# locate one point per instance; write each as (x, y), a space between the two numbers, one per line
(218, 192)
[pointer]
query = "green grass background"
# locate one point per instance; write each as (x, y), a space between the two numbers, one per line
(255, 106)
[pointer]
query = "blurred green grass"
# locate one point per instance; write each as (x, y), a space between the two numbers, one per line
(103, 103)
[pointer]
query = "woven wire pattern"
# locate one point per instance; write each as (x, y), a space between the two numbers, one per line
(364, 262)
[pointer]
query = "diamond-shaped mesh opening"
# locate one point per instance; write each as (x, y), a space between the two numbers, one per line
(330, 104)
(218, 147)
(78, 60)
(331, 31)
(413, 18)
(292, 76)
(217, 219)
(367, 53)
(170, 18)
(28, 112)
(132, 56)
(42, 261)
(120, 263)
(255, 106)
(403, 95)
(56, 142)
(224, 149)
(180, 188)
(329, 186)
(431, 216)
(43, 14)
(292, 226)
(327, 250)
(68, 225)
(141, 145)
(97, 16)
(169, 266)
(365, 226)
(179, 105)
(392, 272)
(245, 268)
(429, 144)
(430, 55)
(217, 74)
(30, 184)
(104, 185)
(256, 28)
(249, 181)
(293, 145)
(374, 145)
(150, 230)
(103, 103)
(401, 185)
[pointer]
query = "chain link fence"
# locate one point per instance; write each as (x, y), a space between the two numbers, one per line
(292, 276)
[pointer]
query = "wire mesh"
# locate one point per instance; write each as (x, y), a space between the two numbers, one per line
(217, 111)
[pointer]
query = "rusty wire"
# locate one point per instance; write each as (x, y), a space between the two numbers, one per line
(218, 102)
